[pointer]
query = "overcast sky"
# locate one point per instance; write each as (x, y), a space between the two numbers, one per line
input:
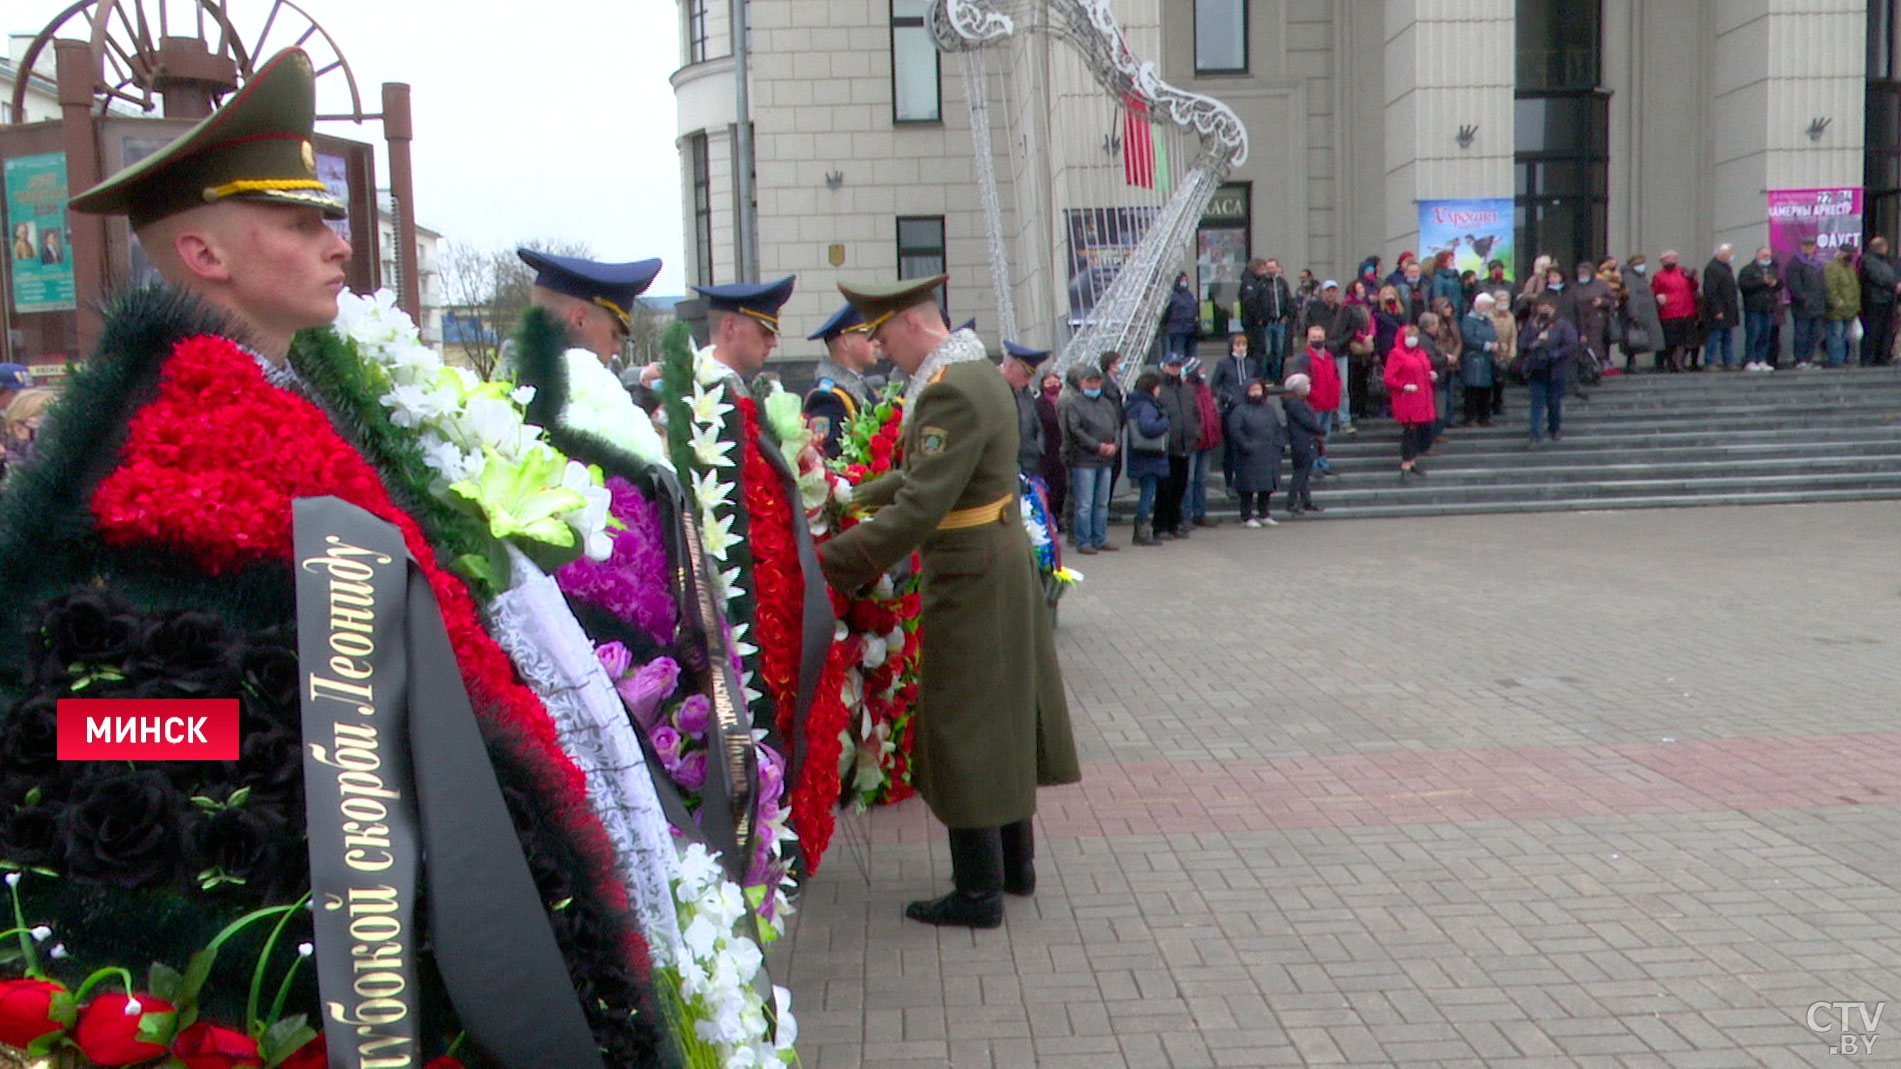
(551, 119)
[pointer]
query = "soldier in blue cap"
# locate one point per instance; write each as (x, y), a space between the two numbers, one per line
(743, 321)
(594, 300)
(1019, 370)
(839, 391)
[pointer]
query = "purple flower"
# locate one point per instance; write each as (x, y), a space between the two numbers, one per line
(643, 691)
(666, 742)
(694, 716)
(634, 583)
(615, 658)
(691, 771)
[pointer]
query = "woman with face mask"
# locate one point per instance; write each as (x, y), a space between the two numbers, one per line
(1055, 472)
(1409, 380)
(1254, 426)
(1643, 330)
(1148, 465)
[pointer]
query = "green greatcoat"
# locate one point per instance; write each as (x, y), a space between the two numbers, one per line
(992, 722)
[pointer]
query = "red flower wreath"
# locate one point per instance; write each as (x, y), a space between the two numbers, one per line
(210, 468)
(778, 616)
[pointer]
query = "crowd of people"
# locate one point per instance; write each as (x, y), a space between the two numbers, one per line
(1432, 348)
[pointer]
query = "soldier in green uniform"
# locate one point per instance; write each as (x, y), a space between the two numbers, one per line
(992, 723)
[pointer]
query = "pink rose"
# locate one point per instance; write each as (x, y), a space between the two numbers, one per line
(690, 773)
(694, 716)
(666, 742)
(615, 658)
(643, 690)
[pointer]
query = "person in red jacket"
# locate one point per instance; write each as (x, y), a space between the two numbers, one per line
(1195, 501)
(1409, 379)
(1324, 374)
(1676, 308)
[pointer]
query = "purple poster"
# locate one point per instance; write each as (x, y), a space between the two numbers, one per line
(1831, 216)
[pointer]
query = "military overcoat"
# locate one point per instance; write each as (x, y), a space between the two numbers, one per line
(992, 721)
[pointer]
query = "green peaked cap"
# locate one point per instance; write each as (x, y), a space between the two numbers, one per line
(879, 301)
(256, 147)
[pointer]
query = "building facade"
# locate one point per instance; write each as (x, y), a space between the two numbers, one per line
(1612, 126)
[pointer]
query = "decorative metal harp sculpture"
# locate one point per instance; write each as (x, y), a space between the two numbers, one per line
(1124, 317)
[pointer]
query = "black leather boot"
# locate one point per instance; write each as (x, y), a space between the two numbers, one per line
(977, 872)
(1019, 858)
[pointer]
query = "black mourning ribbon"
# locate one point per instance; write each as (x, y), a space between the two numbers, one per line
(493, 945)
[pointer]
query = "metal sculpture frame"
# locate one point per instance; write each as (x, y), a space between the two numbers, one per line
(1124, 318)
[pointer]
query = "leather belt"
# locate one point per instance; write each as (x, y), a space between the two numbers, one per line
(976, 515)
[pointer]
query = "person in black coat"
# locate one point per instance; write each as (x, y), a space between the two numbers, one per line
(1227, 381)
(1549, 345)
(1722, 308)
(1257, 436)
(1880, 286)
(1182, 318)
(1304, 432)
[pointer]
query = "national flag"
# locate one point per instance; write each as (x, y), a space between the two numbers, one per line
(1138, 144)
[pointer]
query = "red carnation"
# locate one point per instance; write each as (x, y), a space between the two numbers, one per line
(208, 1046)
(443, 1061)
(109, 1035)
(26, 1010)
(312, 1055)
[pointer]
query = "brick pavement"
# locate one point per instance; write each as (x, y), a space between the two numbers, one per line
(1595, 789)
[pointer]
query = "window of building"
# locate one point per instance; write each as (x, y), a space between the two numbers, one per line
(696, 30)
(1881, 169)
(1221, 36)
(921, 250)
(702, 179)
(1562, 129)
(916, 82)
(1223, 246)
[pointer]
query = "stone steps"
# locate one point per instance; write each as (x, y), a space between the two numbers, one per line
(1642, 441)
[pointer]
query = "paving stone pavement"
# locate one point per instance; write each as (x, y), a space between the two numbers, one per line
(1568, 789)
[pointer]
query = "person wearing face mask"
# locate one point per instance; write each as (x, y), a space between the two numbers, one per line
(1227, 381)
(1055, 472)
(1591, 306)
(1184, 436)
(1550, 345)
(1808, 301)
(1844, 303)
(1182, 318)
(1148, 452)
(1643, 331)
(1409, 381)
(1676, 310)
(1761, 287)
(1255, 429)
(1091, 429)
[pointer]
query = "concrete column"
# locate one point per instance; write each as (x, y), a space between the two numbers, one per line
(1448, 64)
(1780, 65)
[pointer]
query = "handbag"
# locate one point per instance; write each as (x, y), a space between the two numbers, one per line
(1637, 338)
(1146, 444)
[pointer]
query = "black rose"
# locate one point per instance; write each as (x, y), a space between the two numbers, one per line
(184, 654)
(271, 762)
(268, 676)
(30, 835)
(246, 843)
(124, 829)
(85, 627)
(29, 740)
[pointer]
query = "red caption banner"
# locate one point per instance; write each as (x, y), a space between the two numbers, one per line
(148, 729)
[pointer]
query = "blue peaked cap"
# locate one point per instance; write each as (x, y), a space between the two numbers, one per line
(842, 320)
(758, 300)
(1026, 354)
(612, 286)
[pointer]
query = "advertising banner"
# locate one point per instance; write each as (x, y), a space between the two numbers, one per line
(1831, 216)
(42, 265)
(1477, 231)
(1100, 241)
